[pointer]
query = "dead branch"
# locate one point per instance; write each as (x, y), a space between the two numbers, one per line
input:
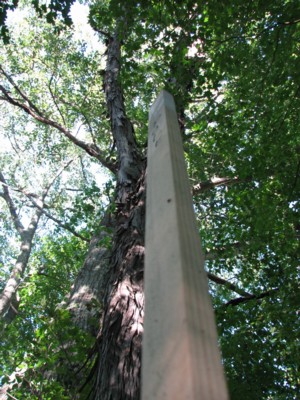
(240, 300)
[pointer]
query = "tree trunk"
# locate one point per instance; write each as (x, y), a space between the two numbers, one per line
(118, 365)
(87, 294)
(119, 344)
(9, 301)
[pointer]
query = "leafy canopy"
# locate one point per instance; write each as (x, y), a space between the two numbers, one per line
(234, 72)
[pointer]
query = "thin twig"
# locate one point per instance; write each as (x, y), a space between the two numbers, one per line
(229, 285)
(240, 300)
(53, 98)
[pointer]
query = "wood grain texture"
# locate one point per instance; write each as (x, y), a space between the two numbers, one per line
(181, 359)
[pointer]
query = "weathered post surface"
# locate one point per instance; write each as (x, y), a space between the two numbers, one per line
(181, 359)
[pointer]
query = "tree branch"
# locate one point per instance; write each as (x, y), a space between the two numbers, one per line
(40, 207)
(59, 172)
(56, 220)
(239, 300)
(27, 106)
(213, 182)
(21, 93)
(12, 209)
(129, 158)
(101, 32)
(217, 252)
(260, 33)
(229, 285)
(54, 100)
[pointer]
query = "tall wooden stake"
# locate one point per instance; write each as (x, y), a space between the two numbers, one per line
(181, 359)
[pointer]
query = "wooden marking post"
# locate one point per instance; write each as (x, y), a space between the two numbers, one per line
(181, 359)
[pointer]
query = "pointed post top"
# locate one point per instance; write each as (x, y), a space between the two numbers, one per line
(163, 97)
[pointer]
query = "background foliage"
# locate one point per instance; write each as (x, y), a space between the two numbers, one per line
(234, 72)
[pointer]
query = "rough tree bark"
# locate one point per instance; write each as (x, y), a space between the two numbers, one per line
(9, 301)
(119, 341)
(87, 293)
